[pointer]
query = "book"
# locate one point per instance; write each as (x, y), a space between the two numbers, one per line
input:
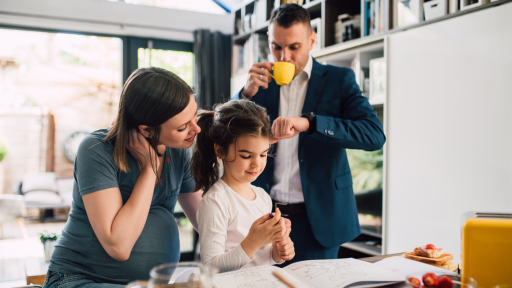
(338, 273)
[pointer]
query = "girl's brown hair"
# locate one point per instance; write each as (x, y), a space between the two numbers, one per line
(150, 97)
(232, 119)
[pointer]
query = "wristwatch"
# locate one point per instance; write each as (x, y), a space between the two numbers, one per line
(312, 122)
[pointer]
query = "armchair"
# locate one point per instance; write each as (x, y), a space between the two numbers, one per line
(46, 192)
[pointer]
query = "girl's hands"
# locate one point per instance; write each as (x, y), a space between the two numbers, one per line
(140, 149)
(263, 231)
(283, 250)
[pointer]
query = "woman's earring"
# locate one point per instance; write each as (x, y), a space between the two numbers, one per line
(150, 136)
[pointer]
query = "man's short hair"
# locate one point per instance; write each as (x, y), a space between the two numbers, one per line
(290, 14)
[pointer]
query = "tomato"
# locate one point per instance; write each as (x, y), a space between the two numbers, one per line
(430, 246)
(445, 282)
(415, 282)
(430, 280)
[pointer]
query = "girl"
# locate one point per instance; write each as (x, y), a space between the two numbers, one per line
(127, 180)
(237, 132)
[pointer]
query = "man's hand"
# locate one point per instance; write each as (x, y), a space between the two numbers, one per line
(284, 128)
(259, 76)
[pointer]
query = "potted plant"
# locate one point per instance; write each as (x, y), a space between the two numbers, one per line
(48, 240)
(3, 152)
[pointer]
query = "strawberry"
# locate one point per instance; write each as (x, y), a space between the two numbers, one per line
(445, 282)
(430, 280)
(415, 282)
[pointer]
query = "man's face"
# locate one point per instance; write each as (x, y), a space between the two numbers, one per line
(291, 44)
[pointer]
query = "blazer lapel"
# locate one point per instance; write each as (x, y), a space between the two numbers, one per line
(272, 100)
(315, 86)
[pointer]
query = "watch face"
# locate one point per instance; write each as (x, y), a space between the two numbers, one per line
(71, 143)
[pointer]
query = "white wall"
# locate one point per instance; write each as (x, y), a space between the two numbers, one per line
(449, 127)
(100, 16)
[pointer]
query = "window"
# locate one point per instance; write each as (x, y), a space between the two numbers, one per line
(204, 6)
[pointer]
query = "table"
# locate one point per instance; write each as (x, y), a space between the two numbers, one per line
(382, 257)
(36, 269)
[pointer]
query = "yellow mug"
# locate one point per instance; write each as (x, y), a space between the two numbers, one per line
(283, 72)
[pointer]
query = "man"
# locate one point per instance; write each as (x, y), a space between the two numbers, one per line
(310, 179)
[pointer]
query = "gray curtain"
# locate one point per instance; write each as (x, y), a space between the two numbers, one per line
(212, 67)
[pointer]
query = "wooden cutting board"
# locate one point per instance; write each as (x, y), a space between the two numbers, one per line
(442, 261)
(437, 261)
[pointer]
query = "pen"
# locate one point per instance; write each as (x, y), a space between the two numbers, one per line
(282, 279)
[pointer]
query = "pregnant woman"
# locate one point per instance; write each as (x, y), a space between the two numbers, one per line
(128, 178)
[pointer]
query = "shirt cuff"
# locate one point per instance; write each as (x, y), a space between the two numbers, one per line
(242, 96)
(244, 259)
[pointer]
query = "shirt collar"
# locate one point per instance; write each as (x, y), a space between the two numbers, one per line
(308, 67)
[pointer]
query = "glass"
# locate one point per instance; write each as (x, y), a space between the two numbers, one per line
(183, 274)
(182, 64)
(459, 281)
(179, 62)
(204, 6)
(178, 275)
(50, 85)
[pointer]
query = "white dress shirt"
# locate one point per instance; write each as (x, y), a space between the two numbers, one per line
(287, 187)
(224, 220)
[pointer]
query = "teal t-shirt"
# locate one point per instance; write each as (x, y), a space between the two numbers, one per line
(78, 250)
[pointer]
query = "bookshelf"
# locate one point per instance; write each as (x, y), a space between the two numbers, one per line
(356, 54)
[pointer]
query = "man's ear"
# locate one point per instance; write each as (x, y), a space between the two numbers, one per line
(312, 40)
(219, 151)
(145, 131)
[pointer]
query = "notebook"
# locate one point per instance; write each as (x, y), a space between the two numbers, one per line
(339, 273)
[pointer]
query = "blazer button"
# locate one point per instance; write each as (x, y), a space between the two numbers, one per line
(326, 131)
(331, 133)
(267, 186)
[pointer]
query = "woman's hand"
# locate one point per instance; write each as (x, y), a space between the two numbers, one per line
(140, 149)
(263, 231)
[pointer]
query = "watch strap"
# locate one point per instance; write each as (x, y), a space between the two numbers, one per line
(312, 122)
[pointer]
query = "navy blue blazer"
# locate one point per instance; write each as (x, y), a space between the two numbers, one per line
(344, 119)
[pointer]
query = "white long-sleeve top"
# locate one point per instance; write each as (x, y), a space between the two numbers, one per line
(224, 220)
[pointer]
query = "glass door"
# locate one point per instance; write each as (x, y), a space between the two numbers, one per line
(178, 58)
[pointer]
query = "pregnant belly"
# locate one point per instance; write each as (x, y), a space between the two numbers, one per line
(157, 244)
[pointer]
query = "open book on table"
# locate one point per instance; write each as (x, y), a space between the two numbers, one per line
(339, 273)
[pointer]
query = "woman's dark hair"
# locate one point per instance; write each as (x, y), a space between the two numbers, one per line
(232, 119)
(289, 14)
(150, 97)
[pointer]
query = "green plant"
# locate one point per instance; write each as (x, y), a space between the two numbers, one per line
(45, 236)
(366, 169)
(3, 150)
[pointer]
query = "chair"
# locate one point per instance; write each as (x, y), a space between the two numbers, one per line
(12, 207)
(46, 192)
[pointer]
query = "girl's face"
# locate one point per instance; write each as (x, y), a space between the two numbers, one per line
(180, 131)
(245, 161)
